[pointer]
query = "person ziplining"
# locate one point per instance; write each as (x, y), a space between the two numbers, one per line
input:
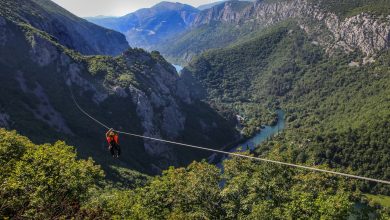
(112, 139)
(113, 143)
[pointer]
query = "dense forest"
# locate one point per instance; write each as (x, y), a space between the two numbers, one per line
(337, 114)
(48, 181)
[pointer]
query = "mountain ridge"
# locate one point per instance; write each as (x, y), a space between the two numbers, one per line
(70, 30)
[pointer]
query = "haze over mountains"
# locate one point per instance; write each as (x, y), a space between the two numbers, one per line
(149, 27)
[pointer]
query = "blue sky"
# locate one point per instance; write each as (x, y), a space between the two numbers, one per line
(86, 8)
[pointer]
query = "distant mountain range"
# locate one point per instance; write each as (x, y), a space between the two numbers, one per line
(149, 27)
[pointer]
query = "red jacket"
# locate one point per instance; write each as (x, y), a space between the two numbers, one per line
(115, 138)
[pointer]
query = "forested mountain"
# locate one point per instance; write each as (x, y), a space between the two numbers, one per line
(148, 27)
(210, 5)
(69, 30)
(309, 69)
(336, 99)
(137, 91)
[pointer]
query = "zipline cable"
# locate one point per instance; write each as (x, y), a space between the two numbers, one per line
(230, 153)
(84, 112)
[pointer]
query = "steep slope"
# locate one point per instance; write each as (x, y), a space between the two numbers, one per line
(148, 27)
(69, 30)
(337, 108)
(336, 25)
(211, 5)
(136, 91)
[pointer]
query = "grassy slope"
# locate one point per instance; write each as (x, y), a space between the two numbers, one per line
(348, 8)
(380, 199)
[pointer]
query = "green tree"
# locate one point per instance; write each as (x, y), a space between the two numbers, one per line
(43, 181)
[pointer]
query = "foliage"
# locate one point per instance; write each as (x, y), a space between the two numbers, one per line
(245, 190)
(349, 8)
(380, 199)
(42, 181)
(47, 181)
(225, 72)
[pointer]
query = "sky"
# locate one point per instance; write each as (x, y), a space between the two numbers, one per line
(90, 8)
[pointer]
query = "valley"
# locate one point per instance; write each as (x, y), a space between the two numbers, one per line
(305, 82)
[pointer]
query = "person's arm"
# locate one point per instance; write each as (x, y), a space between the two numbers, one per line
(116, 138)
(109, 132)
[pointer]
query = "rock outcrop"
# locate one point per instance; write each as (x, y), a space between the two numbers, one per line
(4, 120)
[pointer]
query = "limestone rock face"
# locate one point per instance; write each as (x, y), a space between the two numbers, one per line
(3, 38)
(363, 32)
(4, 120)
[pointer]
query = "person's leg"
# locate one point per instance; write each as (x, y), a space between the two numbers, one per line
(118, 148)
(112, 150)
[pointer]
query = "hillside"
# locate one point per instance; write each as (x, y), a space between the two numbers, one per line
(148, 27)
(337, 112)
(71, 31)
(48, 181)
(211, 5)
(137, 92)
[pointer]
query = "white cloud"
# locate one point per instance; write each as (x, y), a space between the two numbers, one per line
(86, 8)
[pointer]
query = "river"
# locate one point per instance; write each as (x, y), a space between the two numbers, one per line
(251, 143)
(265, 133)
(178, 68)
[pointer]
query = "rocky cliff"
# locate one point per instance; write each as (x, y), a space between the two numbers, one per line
(365, 32)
